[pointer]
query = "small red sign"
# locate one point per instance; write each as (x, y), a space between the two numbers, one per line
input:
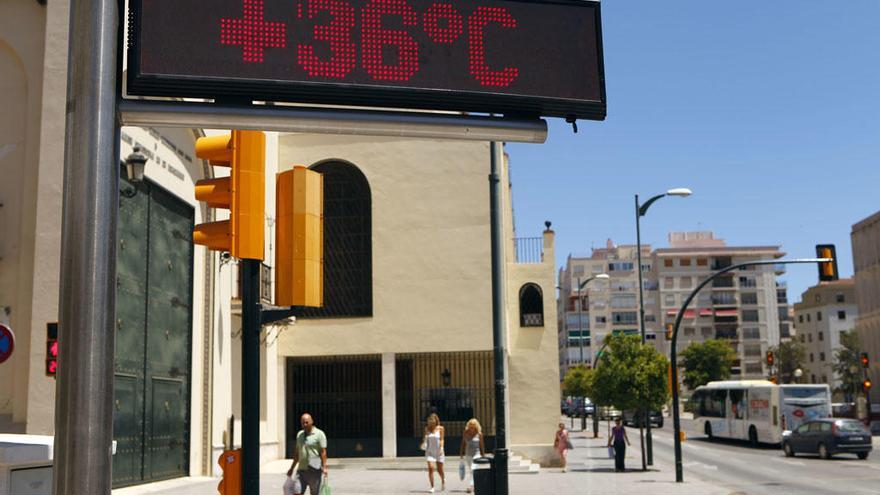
(799, 413)
(7, 342)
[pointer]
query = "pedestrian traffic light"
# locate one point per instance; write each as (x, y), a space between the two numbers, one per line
(299, 228)
(770, 358)
(827, 269)
(669, 328)
(863, 359)
(51, 349)
(230, 465)
(866, 385)
(243, 193)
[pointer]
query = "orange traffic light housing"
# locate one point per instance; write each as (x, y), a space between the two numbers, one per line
(299, 231)
(243, 193)
(230, 464)
(864, 361)
(770, 358)
(866, 385)
(827, 269)
(669, 328)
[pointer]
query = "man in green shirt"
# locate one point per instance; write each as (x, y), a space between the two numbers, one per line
(311, 454)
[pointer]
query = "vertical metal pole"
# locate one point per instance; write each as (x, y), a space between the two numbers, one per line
(647, 414)
(497, 236)
(580, 321)
(250, 376)
(87, 298)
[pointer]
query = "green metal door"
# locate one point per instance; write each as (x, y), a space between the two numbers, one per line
(154, 332)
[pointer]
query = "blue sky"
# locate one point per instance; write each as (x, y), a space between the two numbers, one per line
(769, 111)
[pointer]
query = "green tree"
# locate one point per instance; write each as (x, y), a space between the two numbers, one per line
(788, 357)
(706, 362)
(577, 381)
(846, 363)
(630, 376)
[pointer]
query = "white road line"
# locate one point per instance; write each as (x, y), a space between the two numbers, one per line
(789, 462)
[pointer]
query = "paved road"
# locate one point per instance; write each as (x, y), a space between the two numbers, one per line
(765, 470)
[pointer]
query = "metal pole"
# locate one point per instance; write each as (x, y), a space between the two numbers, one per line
(647, 415)
(497, 235)
(250, 376)
(332, 121)
(87, 296)
(580, 322)
(596, 406)
(673, 352)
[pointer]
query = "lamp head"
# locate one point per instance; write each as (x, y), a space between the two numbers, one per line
(134, 165)
(602, 276)
(679, 191)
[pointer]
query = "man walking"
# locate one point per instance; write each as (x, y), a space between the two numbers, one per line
(311, 454)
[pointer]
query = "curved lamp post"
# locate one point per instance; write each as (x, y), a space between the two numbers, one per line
(581, 285)
(641, 210)
(673, 354)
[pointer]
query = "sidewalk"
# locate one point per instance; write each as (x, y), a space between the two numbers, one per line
(590, 471)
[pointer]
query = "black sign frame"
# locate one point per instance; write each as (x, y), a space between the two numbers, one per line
(347, 94)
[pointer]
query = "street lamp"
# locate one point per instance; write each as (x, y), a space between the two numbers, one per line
(581, 285)
(134, 165)
(673, 354)
(641, 210)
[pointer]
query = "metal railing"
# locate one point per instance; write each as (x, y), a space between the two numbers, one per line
(529, 249)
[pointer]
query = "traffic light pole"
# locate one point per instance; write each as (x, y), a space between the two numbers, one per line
(250, 375)
(673, 352)
(87, 298)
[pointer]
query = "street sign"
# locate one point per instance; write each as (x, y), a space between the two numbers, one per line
(512, 57)
(7, 342)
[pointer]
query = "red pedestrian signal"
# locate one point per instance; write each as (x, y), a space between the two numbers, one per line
(863, 359)
(770, 358)
(51, 349)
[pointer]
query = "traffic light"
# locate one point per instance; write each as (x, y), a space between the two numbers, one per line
(51, 349)
(827, 269)
(299, 228)
(669, 328)
(770, 358)
(243, 193)
(230, 464)
(863, 359)
(866, 386)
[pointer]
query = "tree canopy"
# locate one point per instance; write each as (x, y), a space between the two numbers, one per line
(788, 356)
(577, 381)
(706, 362)
(846, 363)
(630, 376)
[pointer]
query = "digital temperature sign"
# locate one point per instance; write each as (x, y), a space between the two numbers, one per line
(519, 58)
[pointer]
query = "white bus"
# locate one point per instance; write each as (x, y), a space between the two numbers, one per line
(756, 410)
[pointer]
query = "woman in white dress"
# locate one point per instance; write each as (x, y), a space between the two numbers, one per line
(471, 446)
(434, 452)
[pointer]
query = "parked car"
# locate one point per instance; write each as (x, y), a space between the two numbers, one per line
(630, 418)
(827, 437)
(607, 412)
(578, 407)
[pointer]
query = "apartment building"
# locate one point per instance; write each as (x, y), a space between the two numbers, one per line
(866, 263)
(744, 306)
(824, 311)
(605, 306)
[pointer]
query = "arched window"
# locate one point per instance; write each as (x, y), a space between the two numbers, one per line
(531, 306)
(348, 235)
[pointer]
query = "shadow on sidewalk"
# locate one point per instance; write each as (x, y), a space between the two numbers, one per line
(611, 470)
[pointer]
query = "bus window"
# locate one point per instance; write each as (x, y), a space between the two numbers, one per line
(775, 416)
(738, 403)
(715, 403)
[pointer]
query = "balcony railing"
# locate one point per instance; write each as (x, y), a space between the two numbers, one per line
(529, 249)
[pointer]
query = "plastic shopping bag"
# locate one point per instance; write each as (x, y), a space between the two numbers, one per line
(461, 471)
(290, 487)
(325, 486)
(611, 452)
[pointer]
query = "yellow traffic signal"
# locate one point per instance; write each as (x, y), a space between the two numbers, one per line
(866, 385)
(243, 193)
(669, 327)
(299, 228)
(230, 464)
(828, 269)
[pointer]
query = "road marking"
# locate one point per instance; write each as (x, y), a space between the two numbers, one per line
(698, 464)
(786, 461)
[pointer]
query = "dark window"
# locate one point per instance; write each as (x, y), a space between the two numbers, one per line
(821, 336)
(841, 315)
(840, 298)
(818, 316)
(800, 318)
(531, 306)
(348, 254)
